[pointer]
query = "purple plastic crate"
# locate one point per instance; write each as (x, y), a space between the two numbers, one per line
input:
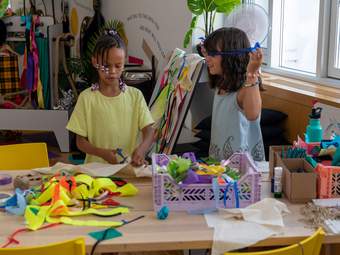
(193, 197)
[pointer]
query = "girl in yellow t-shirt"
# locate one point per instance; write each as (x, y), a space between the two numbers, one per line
(109, 114)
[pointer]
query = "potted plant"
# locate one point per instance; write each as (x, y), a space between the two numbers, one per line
(207, 8)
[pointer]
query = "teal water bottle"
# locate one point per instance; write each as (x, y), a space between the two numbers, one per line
(314, 128)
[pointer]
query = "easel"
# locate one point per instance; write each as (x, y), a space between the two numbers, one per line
(174, 123)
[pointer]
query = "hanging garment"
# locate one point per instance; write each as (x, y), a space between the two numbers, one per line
(44, 69)
(30, 78)
(9, 74)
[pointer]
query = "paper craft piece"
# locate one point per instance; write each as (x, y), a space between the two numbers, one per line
(57, 168)
(143, 171)
(128, 190)
(35, 216)
(96, 169)
(262, 166)
(329, 202)
(260, 221)
(20, 203)
(333, 226)
(4, 196)
(110, 234)
(171, 98)
(102, 169)
(233, 234)
(268, 211)
(92, 169)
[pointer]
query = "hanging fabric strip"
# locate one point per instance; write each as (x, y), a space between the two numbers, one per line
(9, 74)
(42, 44)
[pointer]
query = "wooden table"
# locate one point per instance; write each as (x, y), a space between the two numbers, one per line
(179, 231)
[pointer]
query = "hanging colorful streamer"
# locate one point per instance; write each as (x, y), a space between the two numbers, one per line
(172, 97)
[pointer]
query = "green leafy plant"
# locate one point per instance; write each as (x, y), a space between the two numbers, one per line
(178, 168)
(207, 8)
(233, 173)
(3, 6)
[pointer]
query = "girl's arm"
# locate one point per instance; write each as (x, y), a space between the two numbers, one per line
(138, 156)
(250, 101)
(249, 98)
(85, 146)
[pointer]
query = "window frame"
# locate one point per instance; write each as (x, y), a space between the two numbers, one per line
(326, 74)
(334, 21)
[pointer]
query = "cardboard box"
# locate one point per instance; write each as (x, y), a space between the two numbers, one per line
(299, 187)
(274, 153)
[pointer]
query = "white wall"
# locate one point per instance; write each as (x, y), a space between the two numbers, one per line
(161, 23)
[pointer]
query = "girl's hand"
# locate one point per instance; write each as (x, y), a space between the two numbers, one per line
(109, 156)
(138, 157)
(255, 62)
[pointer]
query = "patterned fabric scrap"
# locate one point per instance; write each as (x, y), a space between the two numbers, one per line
(9, 74)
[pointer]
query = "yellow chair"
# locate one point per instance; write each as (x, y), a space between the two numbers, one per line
(309, 246)
(70, 247)
(23, 156)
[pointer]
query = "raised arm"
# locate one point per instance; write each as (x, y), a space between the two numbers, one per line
(249, 97)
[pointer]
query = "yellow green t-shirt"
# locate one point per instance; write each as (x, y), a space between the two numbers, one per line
(110, 122)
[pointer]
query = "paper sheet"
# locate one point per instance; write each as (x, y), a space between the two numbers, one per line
(260, 221)
(56, 168)
(143, 171)
(263, 166)
(327, 202)
(99, 169)
(268, 211)
(333, 226)
(234, 234)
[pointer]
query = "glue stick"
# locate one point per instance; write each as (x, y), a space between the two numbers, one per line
(278, 182)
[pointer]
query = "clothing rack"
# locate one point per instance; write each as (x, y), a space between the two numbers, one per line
(39, 120)
(15, 25)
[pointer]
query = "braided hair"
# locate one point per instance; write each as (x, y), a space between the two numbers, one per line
(110, 39)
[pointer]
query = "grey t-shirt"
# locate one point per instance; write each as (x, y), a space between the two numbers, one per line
(232, 132)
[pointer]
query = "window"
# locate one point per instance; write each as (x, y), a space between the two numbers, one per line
(295, 35)
(334, 49)
(303, 40)
(265, 5)
(265, 44)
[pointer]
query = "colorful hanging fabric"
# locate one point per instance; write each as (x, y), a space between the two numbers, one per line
(35, 52)
(44, 69)
(9, 74)
(173, 93)
(31, 73)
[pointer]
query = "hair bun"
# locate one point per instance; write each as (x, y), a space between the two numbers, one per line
(111, 32)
